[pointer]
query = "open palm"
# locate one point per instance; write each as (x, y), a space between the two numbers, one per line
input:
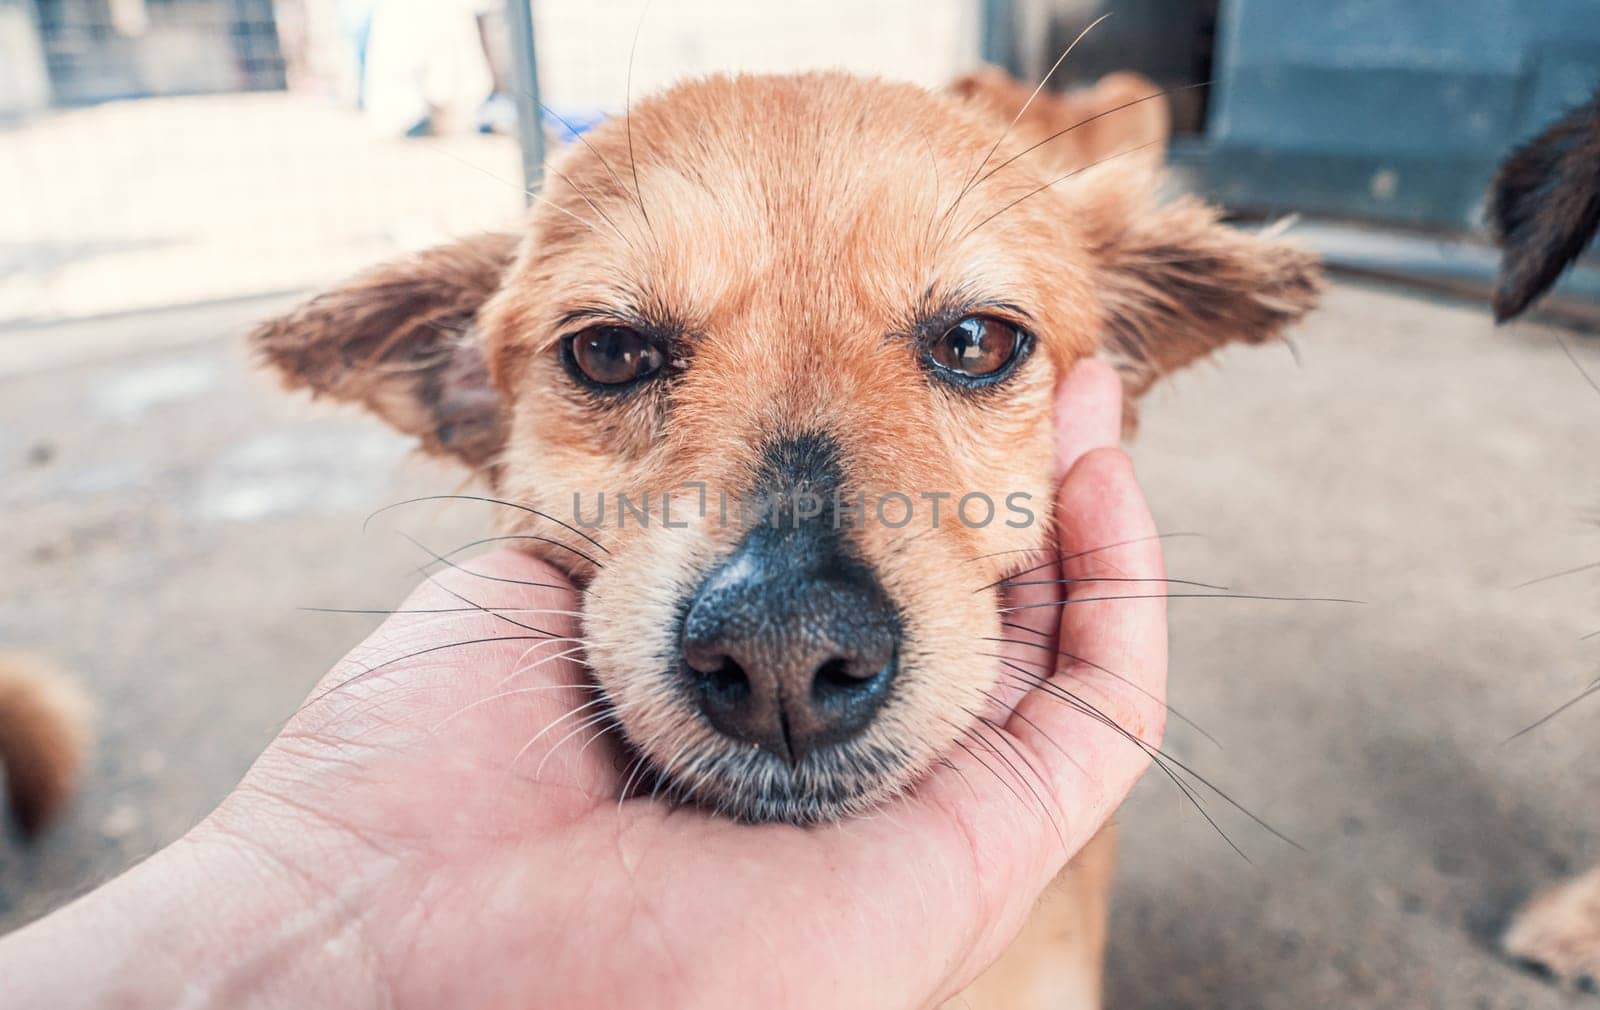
(450, 829)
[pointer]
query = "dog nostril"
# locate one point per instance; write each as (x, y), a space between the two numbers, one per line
(727, 680)
(836, 672)
(841, 675)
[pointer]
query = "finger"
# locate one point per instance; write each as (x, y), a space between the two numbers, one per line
(1088, 415)
(1074, 757)
(1088, 412)
(1095, 718)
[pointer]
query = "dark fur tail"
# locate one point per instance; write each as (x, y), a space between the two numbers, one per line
(44, 738)
(1544, 207)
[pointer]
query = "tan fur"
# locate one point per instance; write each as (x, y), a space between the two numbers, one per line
(1055, 962)
(44, 738)
(1180, 287)
(790, 233)
(1559, 930)
(400, 340)
(1123, 116)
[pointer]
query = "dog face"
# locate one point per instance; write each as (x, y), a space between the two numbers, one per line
(773, 361)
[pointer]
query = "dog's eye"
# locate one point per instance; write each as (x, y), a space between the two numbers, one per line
(614, 355)
(977, 347)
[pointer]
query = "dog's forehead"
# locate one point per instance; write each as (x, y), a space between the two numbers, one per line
(828, 193)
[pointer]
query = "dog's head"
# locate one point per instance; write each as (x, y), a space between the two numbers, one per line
(808, 328)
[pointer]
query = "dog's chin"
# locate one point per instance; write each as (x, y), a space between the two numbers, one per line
(757, 787)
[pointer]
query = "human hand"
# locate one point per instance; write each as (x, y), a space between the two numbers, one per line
(443, 824)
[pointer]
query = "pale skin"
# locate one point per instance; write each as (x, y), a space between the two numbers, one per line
(408, 842)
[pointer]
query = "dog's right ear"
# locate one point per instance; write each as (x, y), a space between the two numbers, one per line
(402, 340)
(1544, 207)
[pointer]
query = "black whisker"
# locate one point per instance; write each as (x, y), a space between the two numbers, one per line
(380, 612)
(1567, 349)
(1183, 596)
(1153, 751)
(1023, 757)
(1045, 635)
(497, 614)
(1157, 757)
(938, 189)
(973, 180)
(1110, 673)
(441, 559)
(987, 767)
(492, 501)
(1062, 559)
(1110, 578)
(579, 136)
(1099, 115)
(1045, 807)
(1591, 566)
(424, 652)
(1057, 180)
(588, 200)
(1040, 730)
(533, 191)
(627, 115)
(1585, 693)
(522, 536)
(947, 763)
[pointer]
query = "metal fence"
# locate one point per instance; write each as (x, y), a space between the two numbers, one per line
(1391, 117)
(95, 50)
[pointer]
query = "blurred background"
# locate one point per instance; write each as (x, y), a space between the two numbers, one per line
(173, 170)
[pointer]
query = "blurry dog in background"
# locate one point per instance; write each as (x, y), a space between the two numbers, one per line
(1544, 208)
(44, 738)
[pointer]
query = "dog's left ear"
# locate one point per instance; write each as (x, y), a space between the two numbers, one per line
(1175, 283)
(402, 340)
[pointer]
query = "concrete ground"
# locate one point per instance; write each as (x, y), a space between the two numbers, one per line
(167, 511)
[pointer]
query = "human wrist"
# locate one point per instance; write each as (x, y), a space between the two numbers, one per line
(213, 920)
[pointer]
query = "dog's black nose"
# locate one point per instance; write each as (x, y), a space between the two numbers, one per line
(791, 644)
(789, 661)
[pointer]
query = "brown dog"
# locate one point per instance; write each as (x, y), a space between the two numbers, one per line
(44, 738)
(1544, 206)
(812, 290)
